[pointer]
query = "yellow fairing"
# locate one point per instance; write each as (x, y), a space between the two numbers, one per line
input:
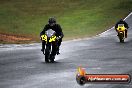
(44, 38)
(53, 38)
(121, 28)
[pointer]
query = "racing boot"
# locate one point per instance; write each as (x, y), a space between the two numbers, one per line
(125, 33)
(43, 51)
(57, 52)
(43, 47)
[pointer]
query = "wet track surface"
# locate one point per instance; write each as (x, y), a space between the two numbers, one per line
(23, 66)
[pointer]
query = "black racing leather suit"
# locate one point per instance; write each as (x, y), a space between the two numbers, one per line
(125, 25)
(57, 28)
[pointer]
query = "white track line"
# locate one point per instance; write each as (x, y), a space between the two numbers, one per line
(128, 16)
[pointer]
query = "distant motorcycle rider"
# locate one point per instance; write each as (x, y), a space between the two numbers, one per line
(57, 28)
(125, 25)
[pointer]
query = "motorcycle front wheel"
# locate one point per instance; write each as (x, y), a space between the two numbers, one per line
(121, 38)
(47, 53)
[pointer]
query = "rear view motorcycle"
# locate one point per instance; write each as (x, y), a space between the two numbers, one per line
(51, 45)
(121, 32)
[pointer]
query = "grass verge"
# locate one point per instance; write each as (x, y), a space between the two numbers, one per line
(78, 18)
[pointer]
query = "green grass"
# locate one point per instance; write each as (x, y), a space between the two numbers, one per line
(78, 18)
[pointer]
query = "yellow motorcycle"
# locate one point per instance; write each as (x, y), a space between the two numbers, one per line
(121, 32)
(51, 45)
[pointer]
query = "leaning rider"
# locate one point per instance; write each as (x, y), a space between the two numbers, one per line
(57, 28)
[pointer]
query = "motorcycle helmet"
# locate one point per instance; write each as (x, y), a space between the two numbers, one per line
(52, 20)
(121, 19)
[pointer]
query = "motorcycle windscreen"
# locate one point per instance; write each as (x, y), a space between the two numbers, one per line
(120, 25)
(50, 33)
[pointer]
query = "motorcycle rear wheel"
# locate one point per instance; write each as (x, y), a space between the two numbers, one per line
(121, 40)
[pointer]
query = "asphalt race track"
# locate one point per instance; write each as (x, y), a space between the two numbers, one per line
(23, 66)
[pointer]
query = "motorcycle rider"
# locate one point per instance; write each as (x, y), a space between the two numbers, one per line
(125, 25)
(57, 28)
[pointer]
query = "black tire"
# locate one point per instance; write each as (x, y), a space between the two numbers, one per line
(52, 59)
(53, 53)
(121, 38)
(47, 54)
